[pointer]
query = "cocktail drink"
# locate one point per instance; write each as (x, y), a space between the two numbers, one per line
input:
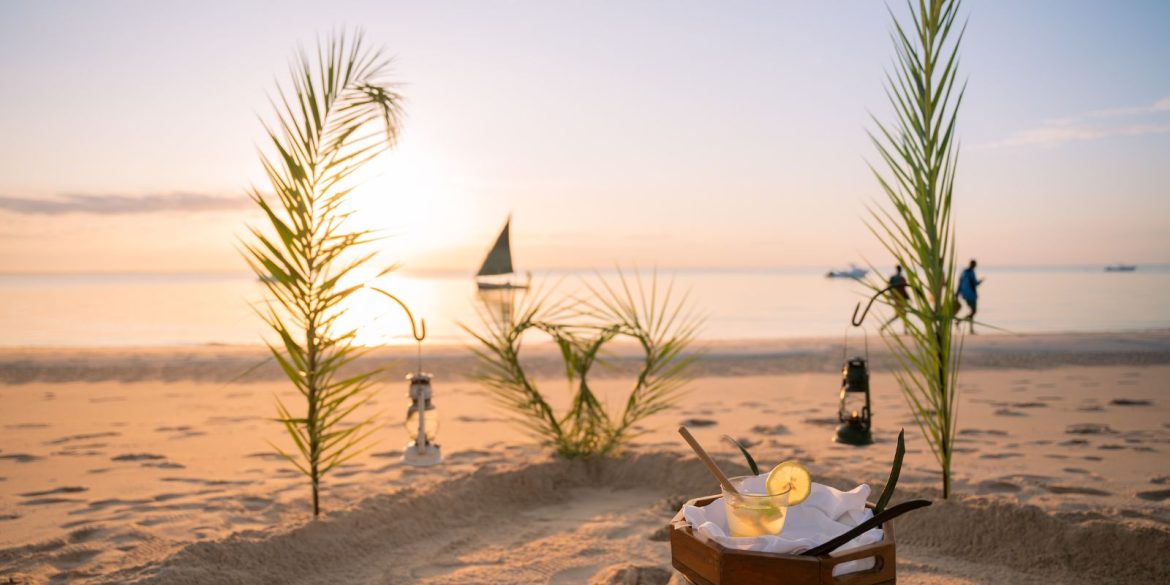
(753, 513)
(757, 505)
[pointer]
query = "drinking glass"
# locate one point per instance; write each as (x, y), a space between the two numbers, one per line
(754, 514)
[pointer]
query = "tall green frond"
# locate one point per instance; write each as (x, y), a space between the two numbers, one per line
(919, 155)
(338, 111)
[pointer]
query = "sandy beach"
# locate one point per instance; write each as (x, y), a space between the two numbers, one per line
(154, 466)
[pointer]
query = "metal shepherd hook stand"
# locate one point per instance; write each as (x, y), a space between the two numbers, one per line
(857, 321)
(422, 416)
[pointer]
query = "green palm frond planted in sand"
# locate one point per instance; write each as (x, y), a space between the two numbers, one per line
(581, 328)
(338, 113)
(920, 156)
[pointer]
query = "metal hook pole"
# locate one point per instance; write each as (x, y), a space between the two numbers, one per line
(413, 330)
(858, 321)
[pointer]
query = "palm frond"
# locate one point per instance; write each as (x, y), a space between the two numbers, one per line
(581, 327)
(919, 157)
(325, 128)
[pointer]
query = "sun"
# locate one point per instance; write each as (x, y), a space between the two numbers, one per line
(412, 199)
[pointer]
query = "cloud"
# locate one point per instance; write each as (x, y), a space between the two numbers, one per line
(1052, 135)
(122, 204)
(1092, 125)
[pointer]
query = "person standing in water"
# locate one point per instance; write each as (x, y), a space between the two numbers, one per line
(900, 295)
(968, 285)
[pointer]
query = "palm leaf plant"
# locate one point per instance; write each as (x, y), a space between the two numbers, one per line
(920, 155)
(326, 128)
(581, 328)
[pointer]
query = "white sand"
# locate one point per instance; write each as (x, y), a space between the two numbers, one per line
(106, 480)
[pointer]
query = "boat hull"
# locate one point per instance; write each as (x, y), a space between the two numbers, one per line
(499, 286)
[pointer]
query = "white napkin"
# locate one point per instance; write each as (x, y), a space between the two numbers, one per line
(826, 514)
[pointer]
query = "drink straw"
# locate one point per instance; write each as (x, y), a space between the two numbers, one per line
(706, 459)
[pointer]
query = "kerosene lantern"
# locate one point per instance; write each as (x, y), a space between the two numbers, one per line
(854, 413)
(422, 423)
(422, 418)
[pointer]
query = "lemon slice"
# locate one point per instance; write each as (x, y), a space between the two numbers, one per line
(790, 477)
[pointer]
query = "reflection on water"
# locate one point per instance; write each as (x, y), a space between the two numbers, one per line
(498, 304)
(184, 309)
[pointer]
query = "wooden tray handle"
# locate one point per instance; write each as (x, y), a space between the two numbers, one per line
(879, 565)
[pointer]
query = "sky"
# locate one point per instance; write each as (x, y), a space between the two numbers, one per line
(677, 134)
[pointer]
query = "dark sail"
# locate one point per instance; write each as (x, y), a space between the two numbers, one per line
(499, 258)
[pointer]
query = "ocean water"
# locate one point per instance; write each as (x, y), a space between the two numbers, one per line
(120, 310)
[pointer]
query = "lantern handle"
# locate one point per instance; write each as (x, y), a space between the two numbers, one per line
(413, 329)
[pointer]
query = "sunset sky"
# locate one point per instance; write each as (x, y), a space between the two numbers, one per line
(684, 134)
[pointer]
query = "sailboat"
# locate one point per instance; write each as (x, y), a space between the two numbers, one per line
(499, 263)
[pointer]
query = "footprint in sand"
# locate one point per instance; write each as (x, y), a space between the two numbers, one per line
(20, 457)
(268, 455)
(255, 503)
(26, 426)
(84, 534)
(49, 501)
(1155, 495)
(1130, 402)
(999, 455)
(771, 431)
(1076, 490)
(1009, 412)
(165, 465)
(72, 559)
(137, 457)
(1030, 405)
(997, 487)
(1089, 429)
(699, 422)
(70, 489)
(982, 432)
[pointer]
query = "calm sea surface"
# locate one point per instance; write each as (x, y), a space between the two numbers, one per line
(192, 309)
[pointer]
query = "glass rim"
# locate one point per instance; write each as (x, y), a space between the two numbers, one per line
(743, 478)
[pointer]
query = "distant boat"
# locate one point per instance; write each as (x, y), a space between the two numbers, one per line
(853, 272)
(1120, 268)
(499, 263)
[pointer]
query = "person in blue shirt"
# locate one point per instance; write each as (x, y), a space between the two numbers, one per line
(968, 285)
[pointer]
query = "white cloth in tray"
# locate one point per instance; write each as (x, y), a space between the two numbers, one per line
(826, 514)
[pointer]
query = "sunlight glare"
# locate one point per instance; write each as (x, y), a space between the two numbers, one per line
(413, 201)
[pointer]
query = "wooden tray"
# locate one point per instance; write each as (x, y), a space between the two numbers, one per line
(709, 563)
